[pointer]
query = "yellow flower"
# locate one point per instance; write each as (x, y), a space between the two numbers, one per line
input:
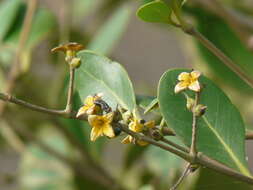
(70, 50)
(188, 80)
(101, 125)
(89, 106)
(137, 126)
(71, 46)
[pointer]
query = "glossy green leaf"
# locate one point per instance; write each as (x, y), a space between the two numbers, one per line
(227, 41)
(221, 130)
(110, 33)
(99, 74)
(156, 11)
(8, 12)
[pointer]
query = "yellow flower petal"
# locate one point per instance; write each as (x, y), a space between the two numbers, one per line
(136, 126)
(91, 110)
(127, 139)
(195, 74)
(95, 133)
(183, 76)
(180, 86)
(89, 100)
(95, 120)
(195, 86)
(150, 124)
(108, 131)
(109, 117)
(82, 111)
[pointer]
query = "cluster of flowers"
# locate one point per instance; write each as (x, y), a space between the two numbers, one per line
(105, 122)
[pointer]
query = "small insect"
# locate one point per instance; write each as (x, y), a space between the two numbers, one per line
(103, 105)
(116, 129)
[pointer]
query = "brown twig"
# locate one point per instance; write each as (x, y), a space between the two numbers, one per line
(220, 55)
(239, 25)
(184, 149)
(200, 159)
(62, 113)
(180, 180)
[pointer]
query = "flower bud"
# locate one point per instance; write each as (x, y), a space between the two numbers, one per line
(189, 103)
(200, 110)
(75, 62)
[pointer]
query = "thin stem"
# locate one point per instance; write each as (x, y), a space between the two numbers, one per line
(151, 141)
(184, 149)
(193, 149)
(180, 180)
(62, 113)
(69, 105)
(249, 135)
(220, 55)
(200, 159)
(237, 22)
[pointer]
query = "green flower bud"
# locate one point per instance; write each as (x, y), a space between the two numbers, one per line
(75, 62)
(200, 110)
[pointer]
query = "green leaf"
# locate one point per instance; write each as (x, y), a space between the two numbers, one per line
(227, 41)
(8, 12)
(221, 130)
(156, 11)
(151, 106)
(219, 181)
(99, 74)
(144, 101)
(110, 33)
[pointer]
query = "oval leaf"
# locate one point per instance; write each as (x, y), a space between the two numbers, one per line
(156, 11)
(221, 130)
(99, 74)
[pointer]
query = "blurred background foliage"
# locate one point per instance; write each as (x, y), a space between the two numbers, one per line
(146, 50)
